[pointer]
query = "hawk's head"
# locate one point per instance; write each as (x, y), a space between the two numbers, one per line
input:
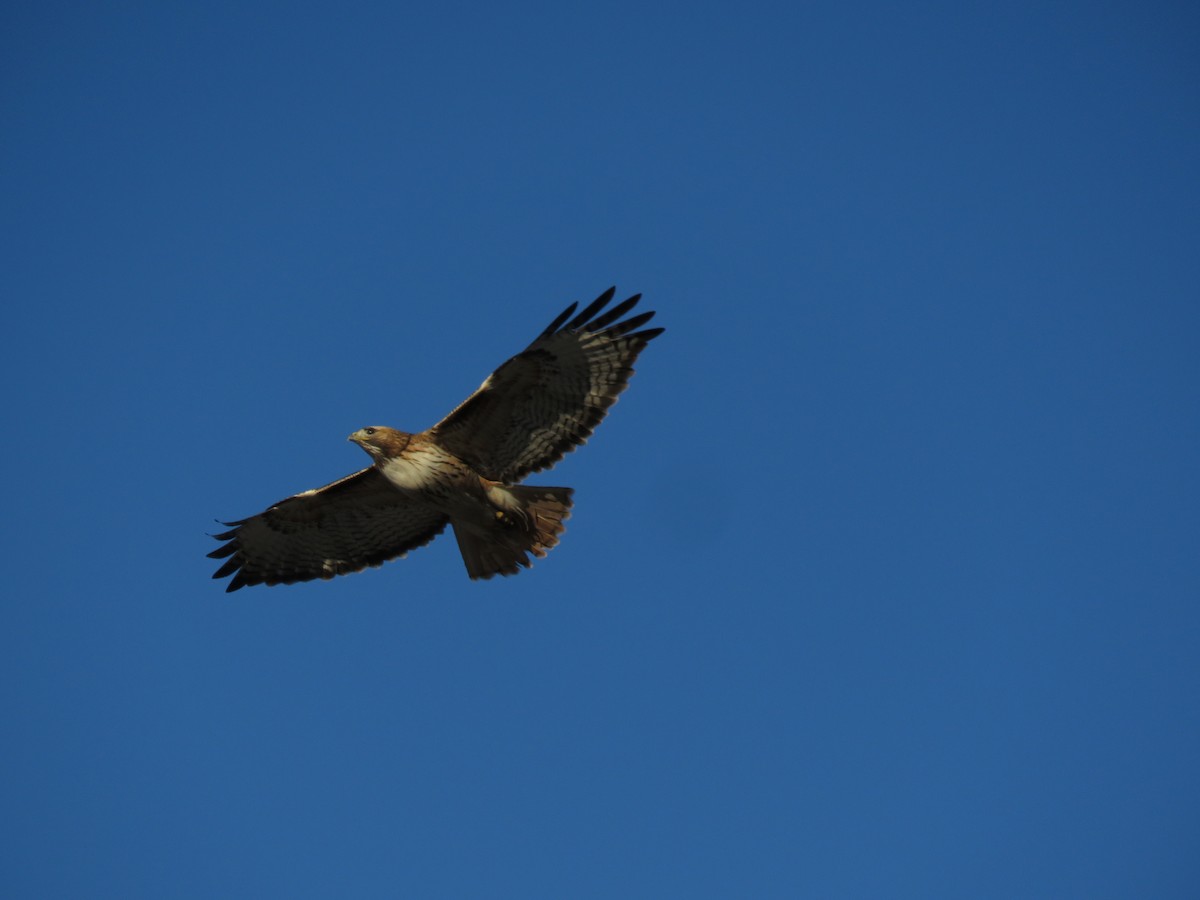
(380, 441)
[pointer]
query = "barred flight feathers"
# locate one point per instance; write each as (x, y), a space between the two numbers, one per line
(355, 522)
(547, 400)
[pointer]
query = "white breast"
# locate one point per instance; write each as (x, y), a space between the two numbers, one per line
(413, 471)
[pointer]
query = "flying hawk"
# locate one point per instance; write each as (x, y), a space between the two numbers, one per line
(541, 404)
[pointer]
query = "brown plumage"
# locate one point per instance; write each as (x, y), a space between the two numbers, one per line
(542, 403)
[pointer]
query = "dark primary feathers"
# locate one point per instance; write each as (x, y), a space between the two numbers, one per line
(547, 400)
(358, 521)
(537, 406)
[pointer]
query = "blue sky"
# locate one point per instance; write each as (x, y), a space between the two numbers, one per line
(882, 577)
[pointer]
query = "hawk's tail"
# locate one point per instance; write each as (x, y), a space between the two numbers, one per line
(532, 524)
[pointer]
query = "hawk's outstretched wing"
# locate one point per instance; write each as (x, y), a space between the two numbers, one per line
(546, 400)
(343, 527)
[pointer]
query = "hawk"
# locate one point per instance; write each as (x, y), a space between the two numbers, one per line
(464, 471)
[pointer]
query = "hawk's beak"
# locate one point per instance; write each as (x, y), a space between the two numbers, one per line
(353, 437)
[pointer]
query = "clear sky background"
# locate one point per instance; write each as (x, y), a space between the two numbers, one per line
(883, 576)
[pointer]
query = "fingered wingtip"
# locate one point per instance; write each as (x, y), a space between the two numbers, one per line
(562, 317)
(591, 309)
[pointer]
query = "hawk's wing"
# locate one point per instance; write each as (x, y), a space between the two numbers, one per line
(546, 400)
(343, 527)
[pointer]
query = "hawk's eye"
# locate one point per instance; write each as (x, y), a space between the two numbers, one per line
(369, 430)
